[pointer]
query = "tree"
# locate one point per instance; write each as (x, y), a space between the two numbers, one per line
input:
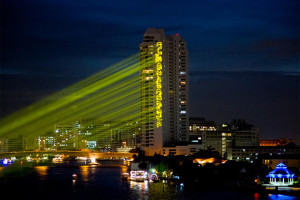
(209, 153)
(143, 165)
(162, 169)
(134, 157)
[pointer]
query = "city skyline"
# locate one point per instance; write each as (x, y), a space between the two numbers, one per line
(244, 61)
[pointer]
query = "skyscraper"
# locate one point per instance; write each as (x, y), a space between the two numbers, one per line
(164, 82)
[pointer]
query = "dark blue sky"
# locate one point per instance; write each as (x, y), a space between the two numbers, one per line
(244, 55)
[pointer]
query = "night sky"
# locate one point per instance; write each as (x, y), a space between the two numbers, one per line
(244, 55)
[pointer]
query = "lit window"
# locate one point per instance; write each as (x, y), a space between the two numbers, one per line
(148, 78)
(183, 112)
(182, 73)
(182, 82)
(147, 71)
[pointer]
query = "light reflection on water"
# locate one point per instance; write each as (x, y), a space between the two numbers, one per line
(141, 186)
(280, 197)
(41, 171)
(1, 171)
(139, 190)
(84, 171)
(124, 169)
(257, 196)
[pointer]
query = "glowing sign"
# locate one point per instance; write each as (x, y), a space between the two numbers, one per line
(158, 60)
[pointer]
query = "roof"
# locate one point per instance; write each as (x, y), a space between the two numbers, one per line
(281, 171)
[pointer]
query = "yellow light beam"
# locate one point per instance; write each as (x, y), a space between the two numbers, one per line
(112, 95)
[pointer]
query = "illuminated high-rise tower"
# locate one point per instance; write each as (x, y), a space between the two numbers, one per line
(164, 84)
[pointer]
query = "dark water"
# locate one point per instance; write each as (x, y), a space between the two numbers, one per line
(56, 182)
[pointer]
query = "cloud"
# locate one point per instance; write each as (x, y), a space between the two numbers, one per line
(270, 100)
(279, 47)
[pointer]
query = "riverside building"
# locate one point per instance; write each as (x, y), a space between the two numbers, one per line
(164, 96)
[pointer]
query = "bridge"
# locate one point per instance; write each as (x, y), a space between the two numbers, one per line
(96, 155)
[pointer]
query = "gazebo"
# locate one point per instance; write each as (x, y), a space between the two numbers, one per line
(281, 176)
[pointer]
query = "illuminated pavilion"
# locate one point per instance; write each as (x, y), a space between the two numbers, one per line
(281, 176)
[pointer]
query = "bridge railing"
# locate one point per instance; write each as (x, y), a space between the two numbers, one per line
(97, 155)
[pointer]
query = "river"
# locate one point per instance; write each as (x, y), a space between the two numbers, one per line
(58, 182)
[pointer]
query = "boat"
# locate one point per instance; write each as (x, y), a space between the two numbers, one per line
(138, 175)
(94, 164)
(57, 159)
(74, 176)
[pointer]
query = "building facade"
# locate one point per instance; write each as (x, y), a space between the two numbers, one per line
(252, 153)
(65, 137)
(290, 160)
(3, 144)
(222, 137)
(278, 142)
(17, 144)
(199, 128)
(89, 133)
(164, 95)
(181, 150)
(45, 142)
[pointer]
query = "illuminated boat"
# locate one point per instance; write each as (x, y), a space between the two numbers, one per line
(94, 162)
(57, 159)
(138, 175)
(74, 176)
